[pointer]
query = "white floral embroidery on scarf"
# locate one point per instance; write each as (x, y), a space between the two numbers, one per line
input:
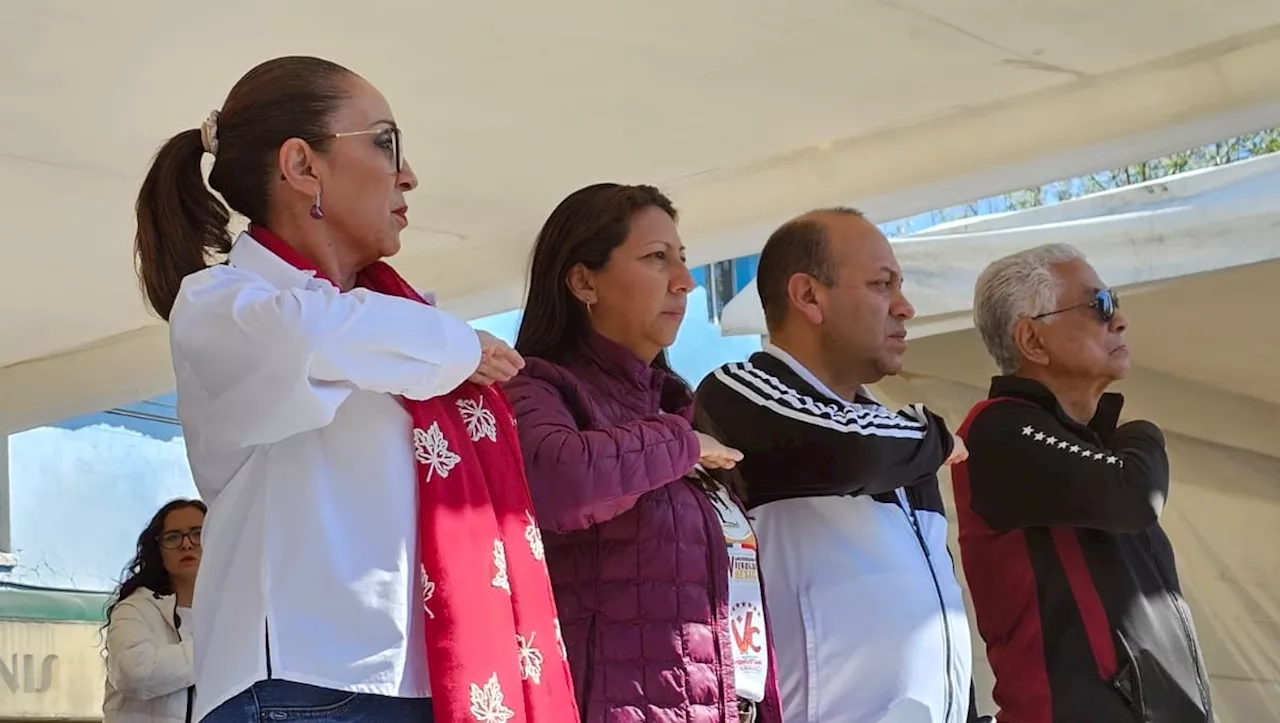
(428, 592)
(487, 704)
(431, 449)
(530, 659)
(534, 536)
(500, 566)
(479, 421)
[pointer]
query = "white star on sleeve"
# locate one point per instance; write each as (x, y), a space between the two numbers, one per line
(1067, 445)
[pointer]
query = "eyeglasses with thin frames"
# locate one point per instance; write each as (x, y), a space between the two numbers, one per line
(394, 138)
(1105, 302)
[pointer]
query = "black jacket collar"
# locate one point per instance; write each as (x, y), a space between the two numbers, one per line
(1104, 419)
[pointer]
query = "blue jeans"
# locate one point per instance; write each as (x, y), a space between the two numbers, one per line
(269, 701)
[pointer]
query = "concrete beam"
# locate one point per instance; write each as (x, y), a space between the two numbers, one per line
(1007, 145)
(1138, 113)
(122, 369)
(1159, 231)
(973, 152)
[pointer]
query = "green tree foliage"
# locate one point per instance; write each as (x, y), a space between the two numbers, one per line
(1213, 154)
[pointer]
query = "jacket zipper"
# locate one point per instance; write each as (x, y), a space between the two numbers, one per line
(1185, 625)
(910, 511)
(191, 689)
(716, 532)
(1191, 645)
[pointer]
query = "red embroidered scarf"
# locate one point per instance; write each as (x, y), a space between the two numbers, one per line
(493, 639)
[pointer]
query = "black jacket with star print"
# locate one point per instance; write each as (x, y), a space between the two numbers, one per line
(1074, 584)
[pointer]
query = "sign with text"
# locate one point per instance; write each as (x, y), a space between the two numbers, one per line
(50, 670)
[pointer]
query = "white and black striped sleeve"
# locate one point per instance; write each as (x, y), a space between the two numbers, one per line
(796, 445)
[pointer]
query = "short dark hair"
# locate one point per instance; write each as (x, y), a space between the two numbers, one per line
(799, 246)
(584, 229)
(180, 222)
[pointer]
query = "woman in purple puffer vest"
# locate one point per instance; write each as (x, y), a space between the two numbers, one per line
(652, 561)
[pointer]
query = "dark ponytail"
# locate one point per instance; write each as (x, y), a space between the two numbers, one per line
(180, 221)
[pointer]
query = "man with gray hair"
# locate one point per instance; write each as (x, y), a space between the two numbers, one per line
(1074, 584)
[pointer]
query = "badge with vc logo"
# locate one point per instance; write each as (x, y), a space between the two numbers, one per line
(746, 602)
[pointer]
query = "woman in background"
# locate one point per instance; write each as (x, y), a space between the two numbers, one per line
(653, 563)
(149, 663)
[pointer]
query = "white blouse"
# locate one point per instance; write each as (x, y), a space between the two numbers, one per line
(296, 442)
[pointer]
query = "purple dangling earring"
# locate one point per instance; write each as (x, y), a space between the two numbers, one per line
(316, 212)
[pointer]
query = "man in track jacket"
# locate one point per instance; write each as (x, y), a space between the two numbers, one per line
(1073, 581)
(866, 613)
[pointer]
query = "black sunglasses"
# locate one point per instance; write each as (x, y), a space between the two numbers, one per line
(1105, 302)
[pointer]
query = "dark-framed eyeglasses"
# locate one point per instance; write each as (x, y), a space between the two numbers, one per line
(1105, 302)
(172, 540)
(389, 139)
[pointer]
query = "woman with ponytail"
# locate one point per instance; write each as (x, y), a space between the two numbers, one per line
(370, 552)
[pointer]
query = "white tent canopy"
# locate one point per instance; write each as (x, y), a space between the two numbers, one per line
(746, 113)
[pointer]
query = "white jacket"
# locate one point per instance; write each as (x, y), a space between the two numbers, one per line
(149, 663)
(866, 614)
